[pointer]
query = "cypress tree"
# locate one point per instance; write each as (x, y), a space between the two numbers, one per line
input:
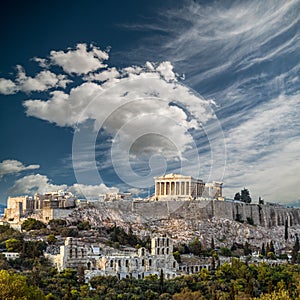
(263, 250)
(286, 230)
(272, 249)
(295, 250)
(212, 244)
(267, 248)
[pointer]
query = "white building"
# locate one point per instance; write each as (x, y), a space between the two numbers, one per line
(123, 264)
(213, 190)
(115, 196)
(180, 187)
(140, 264)
(42, 206)
(74, 254)
(11, 255)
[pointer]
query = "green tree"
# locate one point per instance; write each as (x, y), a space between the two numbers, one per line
(225, 251)
(187, 294)
(212, 244)
(32, 224)
(237, 196)
(272, 249)
(195, 247)
(84, 225)
(3, 262)
(14, 245)
(14, 286)
(263, 250)
(9, 233)
(295, 250)
(57, 223)
(286, 230)
(68, 232)
(32, 249)
(51, 239)
(177, 256)
(245, 196)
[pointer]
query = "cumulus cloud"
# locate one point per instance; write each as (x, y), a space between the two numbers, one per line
(82, 60)
(137, 101)
(7, 87)
(166, 70)
(42, 81)
(62, 108)
(105, 75)
(142, 110)
(38, 183)
(79, 61)
(12, 166)
(92, 191)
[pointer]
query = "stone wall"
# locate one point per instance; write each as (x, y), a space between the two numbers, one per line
(54, 213)
(266, 215)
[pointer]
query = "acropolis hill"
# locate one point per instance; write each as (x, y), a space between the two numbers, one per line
(182, 207)
(176, 197)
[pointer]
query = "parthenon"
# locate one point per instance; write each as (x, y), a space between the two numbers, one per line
(185, 187)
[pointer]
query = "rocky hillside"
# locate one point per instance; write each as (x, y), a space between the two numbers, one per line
(183, 228)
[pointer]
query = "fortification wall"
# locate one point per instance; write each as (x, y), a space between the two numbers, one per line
(141, 211)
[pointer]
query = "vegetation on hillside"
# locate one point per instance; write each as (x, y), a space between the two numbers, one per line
(236, 281)
(32, 277)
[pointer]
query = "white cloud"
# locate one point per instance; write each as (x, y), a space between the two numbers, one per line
(82, 60)
(7, 87)
(32, 184)
(38, 183)
(245, 56)
(107, 74)
(43, 62)
(166, 71)
(264, 151)
(136, 103)
(204, 38)
(150, 66)
(92, 191)
(135, 191)
(143, 110)
(11, 166)
(64, 109)
(41, 82)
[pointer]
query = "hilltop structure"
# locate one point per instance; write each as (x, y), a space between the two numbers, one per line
(176, 197)
(180, 187)
(43, 206)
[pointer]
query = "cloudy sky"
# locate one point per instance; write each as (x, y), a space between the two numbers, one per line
(98, 97)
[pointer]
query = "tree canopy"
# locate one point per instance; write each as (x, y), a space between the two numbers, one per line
(14, 286)
(32, 224)
(244, 196)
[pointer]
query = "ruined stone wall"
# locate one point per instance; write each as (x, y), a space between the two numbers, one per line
(48, 214)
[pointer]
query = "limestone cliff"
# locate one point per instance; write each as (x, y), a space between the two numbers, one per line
(227, 222)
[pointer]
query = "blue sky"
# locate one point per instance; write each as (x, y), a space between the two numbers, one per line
(98, 96)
